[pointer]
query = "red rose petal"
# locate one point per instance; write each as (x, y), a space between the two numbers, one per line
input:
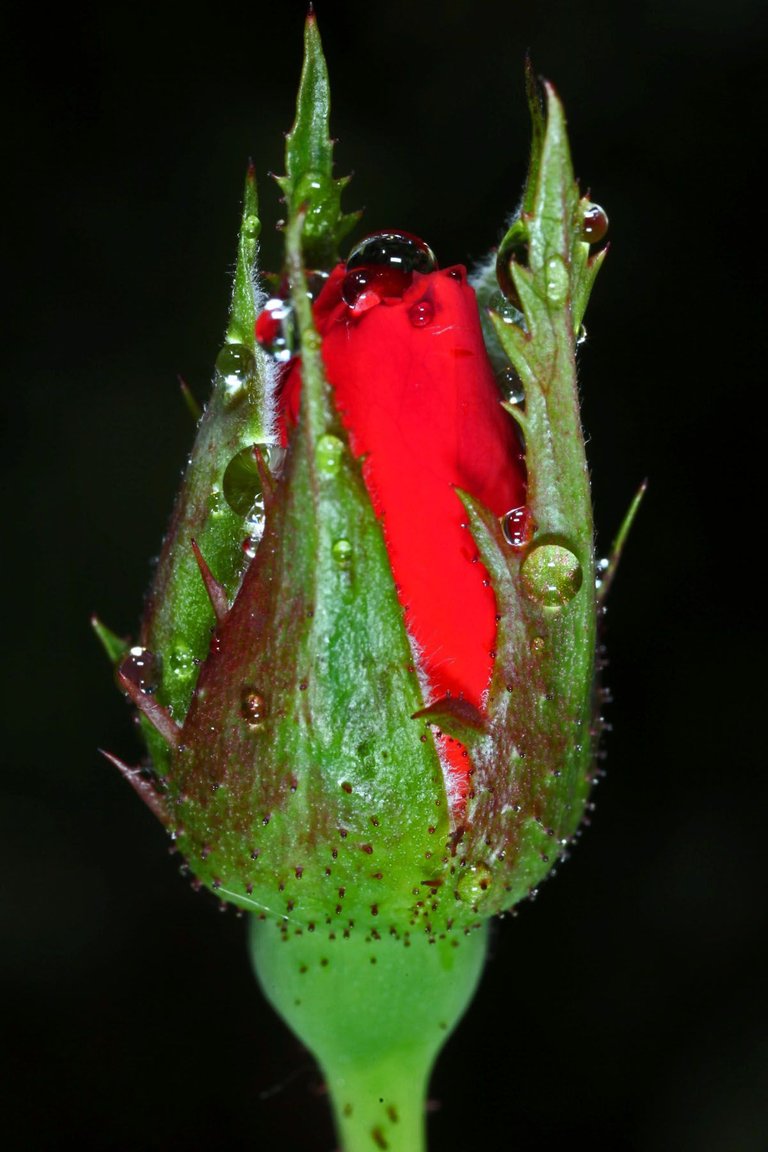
(416, 392)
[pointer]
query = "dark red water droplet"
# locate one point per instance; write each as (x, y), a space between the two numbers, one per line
(421, 314)
(141, 668)
(518, 527)
(595, 225)
(383, 264)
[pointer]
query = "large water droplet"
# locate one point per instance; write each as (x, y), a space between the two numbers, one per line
(382, 265)
(141, 667)
(342, 553)
(595, 224)
(241, 480)
(253, 708)
(474, 883)
(328, 454)
(421, 314)
(518, 527)
(551, 574)
(235, 364)
(399, 249)
(557, 280)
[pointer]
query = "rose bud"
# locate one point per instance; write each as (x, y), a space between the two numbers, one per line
(366, 667)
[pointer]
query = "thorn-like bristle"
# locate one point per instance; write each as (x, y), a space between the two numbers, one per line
(190, 400)
(158, 717)
(115, 646)
(266, 477)
(216, 592)
(143, 787)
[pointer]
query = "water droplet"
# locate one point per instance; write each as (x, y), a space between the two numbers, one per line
(518, 527)
(581, 335)
(320, 196)
(274, 329)
(595, 225)
(399, 249)
(253, 708)
(249, 547)
(241, 481)
(557, 281)
(421, 314)
(328, 454)
(509, 312)
(235, 364)
(141, 667)
(342, 553)
(509, 383)
(216, 503)
(474, 883)
(538, 644)
(551, 574)
(382, 265)
(181, 663)
(252, 226)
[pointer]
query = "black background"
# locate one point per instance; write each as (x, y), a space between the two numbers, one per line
(624, 1007)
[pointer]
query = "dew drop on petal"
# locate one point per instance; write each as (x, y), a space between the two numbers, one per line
(401, 250)
(551, 574)
(518, 527)
(421, 314)
(595, 224)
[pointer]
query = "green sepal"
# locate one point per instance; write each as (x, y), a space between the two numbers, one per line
(534, 763)
(303, 786)
(115, 646)
(309, 183)
(608, 569)
(179, 615)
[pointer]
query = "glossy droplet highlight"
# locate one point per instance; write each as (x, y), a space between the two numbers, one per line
(399, 249)
(342, 553)
(421, 314)
(328, 454)
(557, 280)
(509, 383)
(381, 266)
(253, 708)
(252, 226)
(518, 527)
(181, 663)
(594, 226)
(141, 668)
(235, 364)
(474, 883)
(551, 574)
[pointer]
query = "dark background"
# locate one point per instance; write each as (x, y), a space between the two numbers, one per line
(625, 1007)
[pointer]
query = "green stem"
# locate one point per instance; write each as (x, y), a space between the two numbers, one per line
(375, 1012)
